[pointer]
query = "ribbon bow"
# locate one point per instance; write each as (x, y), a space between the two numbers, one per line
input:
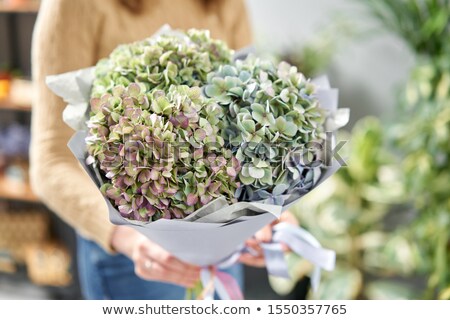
(302, 243)
(297, 239)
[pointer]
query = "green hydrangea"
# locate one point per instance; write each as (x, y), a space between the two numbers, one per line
(162, 154)
(157, 63)
(156, 140)
(273, 120)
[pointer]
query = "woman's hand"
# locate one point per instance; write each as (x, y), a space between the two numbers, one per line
(151, 261)
(256, 258)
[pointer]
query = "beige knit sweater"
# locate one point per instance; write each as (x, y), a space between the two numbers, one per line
(73, 34)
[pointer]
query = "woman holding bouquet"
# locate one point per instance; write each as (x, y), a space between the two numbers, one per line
(114, 261)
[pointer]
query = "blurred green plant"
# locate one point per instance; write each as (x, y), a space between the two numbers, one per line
(316, 55)
(423, 140)
(421, 23)
(422, 133)
(387, 214)
(354, 213)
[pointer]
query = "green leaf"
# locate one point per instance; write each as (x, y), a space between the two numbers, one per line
(194, 94)
(257, 107)
(246, 180)
(284, 95)
(341, 284)
(245, 170)
(165, 57)
(254, 138)
(256, 173)
(248, 125)
(127, 130)
(223, 98)
(115, 116)
(133, 89)
(290, 129)
(389, 290)
(239, 155)
(212, 91)
(236, 91)
(162, 105)
(231, 82)
(245, 76)
(228, 70)
(280, 123)
(267, 178)
(279, 189)
(258, 117)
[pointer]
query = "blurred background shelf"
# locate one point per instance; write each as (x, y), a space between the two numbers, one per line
(8, 104)
(21, 7)
(27, 251)
(15, 190)
(17, 286)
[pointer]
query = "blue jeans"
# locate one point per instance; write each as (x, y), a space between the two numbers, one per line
(111, 277)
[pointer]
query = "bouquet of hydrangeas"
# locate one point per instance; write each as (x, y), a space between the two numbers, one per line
(198, 150)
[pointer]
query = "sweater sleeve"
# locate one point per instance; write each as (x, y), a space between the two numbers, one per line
(241, 30)
(64, 39)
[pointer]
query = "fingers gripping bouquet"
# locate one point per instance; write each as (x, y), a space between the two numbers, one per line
(197, 150)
